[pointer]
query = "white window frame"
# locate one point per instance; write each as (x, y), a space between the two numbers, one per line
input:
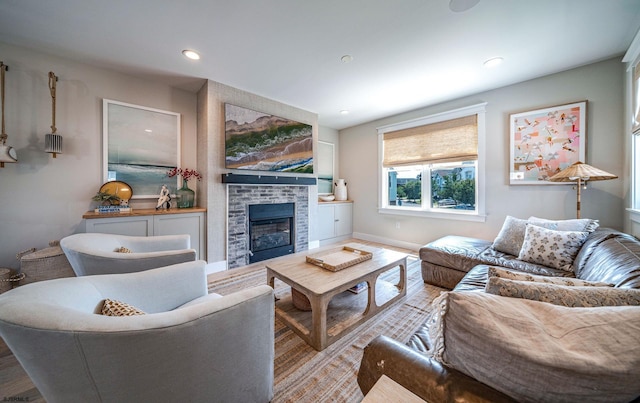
(466, 215)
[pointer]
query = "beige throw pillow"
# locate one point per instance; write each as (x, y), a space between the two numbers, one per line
(569, 296)
(112, 307)
(557, 249)
(568, 281)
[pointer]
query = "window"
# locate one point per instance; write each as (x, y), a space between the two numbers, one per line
(433, 166)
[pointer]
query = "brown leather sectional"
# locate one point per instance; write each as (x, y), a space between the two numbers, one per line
(460, 264)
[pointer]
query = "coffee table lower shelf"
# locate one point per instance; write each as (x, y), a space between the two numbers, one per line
(345, 311)
(334, 310)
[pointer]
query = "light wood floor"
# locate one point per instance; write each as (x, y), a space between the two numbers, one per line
(15, 384)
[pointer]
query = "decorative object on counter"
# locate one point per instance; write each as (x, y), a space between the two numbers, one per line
(164, 201)
(185, 195)
(580, 173)
(7, 154)
(340, 190)
(106, 199)
(327, 198)
(112, 209)
(113, 197)
(53, 141)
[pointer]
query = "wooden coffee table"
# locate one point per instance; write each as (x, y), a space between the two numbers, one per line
(320, 286)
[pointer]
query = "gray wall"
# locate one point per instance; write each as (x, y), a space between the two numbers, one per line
(600, 83)
(42, 198)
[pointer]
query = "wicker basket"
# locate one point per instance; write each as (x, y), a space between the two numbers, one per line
(6, 280)
(300, 300)
(44, 264)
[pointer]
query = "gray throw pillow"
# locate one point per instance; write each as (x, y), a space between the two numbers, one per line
(557, 249)
(576, 224)
(570, 296)
(511, 236)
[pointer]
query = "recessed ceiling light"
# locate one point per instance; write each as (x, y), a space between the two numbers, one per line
(493, 62)
(346, 59)
(191, 54)
(344, 112)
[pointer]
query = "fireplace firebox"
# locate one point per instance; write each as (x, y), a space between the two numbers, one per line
(271, 231)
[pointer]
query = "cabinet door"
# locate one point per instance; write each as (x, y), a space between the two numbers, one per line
(132, 226)
(178, 224)
(326, 221)
(343, 219)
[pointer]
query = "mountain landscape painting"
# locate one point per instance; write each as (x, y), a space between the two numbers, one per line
(263, 142)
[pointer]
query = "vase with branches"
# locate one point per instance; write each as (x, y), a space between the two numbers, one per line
(185, 195)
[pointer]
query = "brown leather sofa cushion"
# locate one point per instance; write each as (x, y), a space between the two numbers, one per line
(616, 261)
(454, 251)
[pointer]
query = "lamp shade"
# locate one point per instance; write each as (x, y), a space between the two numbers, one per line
(582, 171)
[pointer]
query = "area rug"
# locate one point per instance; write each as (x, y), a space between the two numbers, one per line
(303, 374)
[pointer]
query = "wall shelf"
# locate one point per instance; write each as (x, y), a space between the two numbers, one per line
(238, 179)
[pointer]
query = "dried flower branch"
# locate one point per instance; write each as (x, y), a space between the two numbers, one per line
(185, 174)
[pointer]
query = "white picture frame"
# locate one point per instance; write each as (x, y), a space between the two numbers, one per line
(140, 145)
(545, 141)
(326, 167)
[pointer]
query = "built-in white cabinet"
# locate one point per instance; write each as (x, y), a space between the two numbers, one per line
(335, 221)
(151, 222)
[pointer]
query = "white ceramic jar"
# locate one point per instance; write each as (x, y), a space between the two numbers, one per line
(340, 190)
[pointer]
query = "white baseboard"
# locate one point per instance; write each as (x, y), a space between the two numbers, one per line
(314, 244)
(388, 241)
(215, 267)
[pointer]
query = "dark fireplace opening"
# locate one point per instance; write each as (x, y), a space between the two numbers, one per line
(271, 231)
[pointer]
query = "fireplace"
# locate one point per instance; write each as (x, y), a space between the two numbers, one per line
(241, 196)
(271, 230)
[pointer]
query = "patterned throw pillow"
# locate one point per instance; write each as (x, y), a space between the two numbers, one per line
(573, 296)
(556, 249)
(511, 236)
(567, 281)
(577, 224)
(122, 249)
(112, 307)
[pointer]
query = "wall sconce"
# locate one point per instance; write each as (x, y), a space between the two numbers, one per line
(53, 141)
(7, 154)
(581, 173)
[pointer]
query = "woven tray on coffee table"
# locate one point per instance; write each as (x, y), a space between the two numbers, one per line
(341, 259)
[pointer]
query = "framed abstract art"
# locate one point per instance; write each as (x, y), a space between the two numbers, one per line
(546, 141)
(140, 145)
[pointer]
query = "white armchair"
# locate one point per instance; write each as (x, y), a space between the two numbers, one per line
(95, 253)
(213, 349)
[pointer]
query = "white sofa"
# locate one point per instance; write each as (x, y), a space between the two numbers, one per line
(213, 349)
(95, 253)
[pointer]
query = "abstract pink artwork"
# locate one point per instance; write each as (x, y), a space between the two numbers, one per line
(546, 141)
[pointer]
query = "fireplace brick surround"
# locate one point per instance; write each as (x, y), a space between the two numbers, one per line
(239, 197)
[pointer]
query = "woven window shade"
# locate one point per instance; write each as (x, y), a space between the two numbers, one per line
(453, 140)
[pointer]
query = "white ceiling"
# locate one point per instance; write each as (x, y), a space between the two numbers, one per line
(407, 54)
